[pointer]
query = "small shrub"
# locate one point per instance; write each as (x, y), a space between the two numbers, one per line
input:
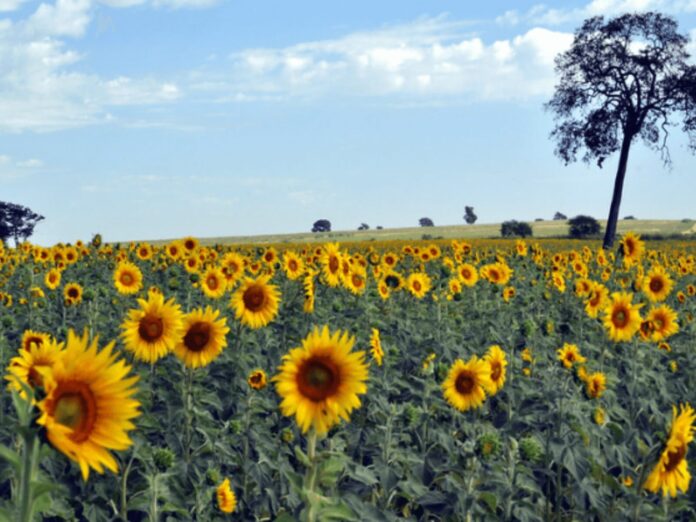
(559, 216)
(515, 229)
(583, 226)
(629, 217)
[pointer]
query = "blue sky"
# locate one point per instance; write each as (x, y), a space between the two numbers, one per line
(147, 119)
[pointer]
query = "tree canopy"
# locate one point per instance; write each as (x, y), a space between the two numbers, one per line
(623, 79)
(17, 222)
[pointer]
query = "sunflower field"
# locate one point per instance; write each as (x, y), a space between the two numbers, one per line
(374, 381)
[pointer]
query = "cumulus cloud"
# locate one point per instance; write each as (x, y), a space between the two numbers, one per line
(40, 86)
(427, 58)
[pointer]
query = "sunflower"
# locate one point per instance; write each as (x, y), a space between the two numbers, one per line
(174, 250)
(597, 299)
(657, 284)
(72, 292)
(521, 247)
(383, 289)
(621, 317)
(190, 244)
(466, 383)
(257, 379)
(192, 264)
(52, 279)
(292, 264)
(355, 282)
(390, 259)
(583, 287)
(418, 283)
(467, 274)
(595, 385)
(233, 267)
(569, 354)
(203, 337)
(376, 347)
(498, 362)
(226, 499)
(671, 473)
(144, 251)
(88, 406)
(128, 278)
(30, 337)
(508, 293)
(308, 291)
(454, 285)
(632, 248)
(154, 329)
(213, 283)
(331, 264)
(497, 273)
(663, 321)
(256, 302)
(33, 357)
(320, 381)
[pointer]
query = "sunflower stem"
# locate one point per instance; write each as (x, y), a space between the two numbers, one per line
(312, 474)
(188, 402)
(154, 516)
(26, 506)
(123, 511)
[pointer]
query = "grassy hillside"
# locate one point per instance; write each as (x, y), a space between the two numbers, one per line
(541, 229)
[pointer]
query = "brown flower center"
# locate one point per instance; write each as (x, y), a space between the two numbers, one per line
(127, 279)
(620, 317)
(292, 264)
(197, 336)
(150, 328)
(656, 284)
(212, 282)
(73, 405)
(464, 383)
(318, 378)
(73, 293)
(333, 264)
(496, 370)
(417, 286)
(675, 457)
(254, 298)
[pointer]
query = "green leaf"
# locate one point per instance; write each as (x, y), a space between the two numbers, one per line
(337, 512)
(6, 515)
(11, 456)
(302, 456)
(490, 500)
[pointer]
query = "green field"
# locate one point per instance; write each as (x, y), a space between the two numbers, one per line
(541, 229)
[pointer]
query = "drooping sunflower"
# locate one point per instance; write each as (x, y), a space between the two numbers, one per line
(376, 347)
(89, 405)
(320, 381)
(466, 383)
(569, 354)
(632, 248)
(498, 362)
(292, 264)
(257, 379)
(128, 278)
(418, 283)
(203, 339)
(213, 283)
(671, 473)
(52, 279)
(30, 337)
(467, 274)
(621, 317)
(154, 329)
(308, 292)
(256, 302)
(27, 365)
(226, 499)
(595, 385)
(657, 284)
(72, 293)
(663, 321)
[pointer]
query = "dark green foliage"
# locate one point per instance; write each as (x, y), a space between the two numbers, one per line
(426, 222)
(583, 226)
(469, 216)
(515, 229)
(17, 222)
(322, 225)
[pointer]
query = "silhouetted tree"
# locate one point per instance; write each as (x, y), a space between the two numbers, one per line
(583, 226)
(364, 226)
(322, 225)
(469, 215)
(17, 221)
(622, 80)
(426, 222)
(559, 216)
(515, 229)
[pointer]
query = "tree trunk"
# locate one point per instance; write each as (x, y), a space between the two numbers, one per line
(618, 189)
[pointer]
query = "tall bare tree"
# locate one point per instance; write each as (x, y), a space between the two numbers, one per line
(623, 79)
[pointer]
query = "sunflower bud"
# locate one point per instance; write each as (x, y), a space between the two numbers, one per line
(163, 459)
(489, 445)
(531, 449)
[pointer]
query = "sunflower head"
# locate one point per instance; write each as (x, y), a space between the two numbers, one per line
(621, 317)
(257, 379)
(28, 366)
(466, 383)
(89, 404)
(128, 278)
(256, 302)
(376, 347)
(203, 339)
(498, 363)
(320, 381)
(226, 499)
(72, 293)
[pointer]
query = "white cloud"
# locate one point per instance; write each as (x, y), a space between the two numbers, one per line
(429, 57)
(40, 87)
(10, 5)
(32, 163)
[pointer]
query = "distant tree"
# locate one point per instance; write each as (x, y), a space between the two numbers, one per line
(539, 219)
(515, 229)
(559, 216)
(629, 217)
(583, 226)
(17, 222)
(620, 81)
(426, 222)
(379, 227)
(469, 216)
(364, 226)
(322, 225)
